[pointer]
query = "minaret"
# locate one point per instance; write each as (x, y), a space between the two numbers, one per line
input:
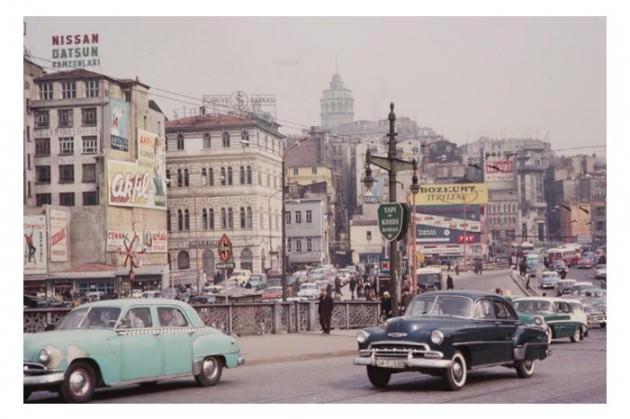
(336, 103)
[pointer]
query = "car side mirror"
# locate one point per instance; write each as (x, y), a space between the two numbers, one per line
(49, 327)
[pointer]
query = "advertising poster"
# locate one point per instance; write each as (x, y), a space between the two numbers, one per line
(152, 154)
(133, 185)
(119, 130)
(58, 235)
(147, 242)
(35, 251)
(499, 171)
(453, 194)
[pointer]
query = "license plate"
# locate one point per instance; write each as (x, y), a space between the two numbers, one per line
(390, 363)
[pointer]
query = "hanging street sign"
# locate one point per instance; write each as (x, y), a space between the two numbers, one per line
(226, 265)
(393, 220)
(224, 248)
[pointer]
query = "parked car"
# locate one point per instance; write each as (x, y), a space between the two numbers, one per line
(585, 263)
(203, 299)
(596, 315)
(118, 342)
(308, 291)
(240, 277)
(548, 279)
(32, 301)
(600, 272)
(564, 286)
(580, 288)
(450, 333)
(272, 293)
(135, 293)
(258, 281)
(152, 294)
(553, 314)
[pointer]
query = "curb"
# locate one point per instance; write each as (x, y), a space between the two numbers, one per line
(296, 358)
(516, 278)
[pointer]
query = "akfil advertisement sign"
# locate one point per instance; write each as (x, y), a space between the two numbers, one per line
(35, 249)
(75, 51)
(134, 185)
(499, 171)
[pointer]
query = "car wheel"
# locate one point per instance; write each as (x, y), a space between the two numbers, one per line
(577, 335)
(211, 369)
(549, 334)
(455, 375)
(525, 369)
(79, 383)
(379, 377)
(585, 331)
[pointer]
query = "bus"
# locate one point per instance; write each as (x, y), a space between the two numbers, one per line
(569, 255)
(431, 278)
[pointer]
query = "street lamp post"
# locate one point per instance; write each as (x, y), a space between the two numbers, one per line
(392, 165)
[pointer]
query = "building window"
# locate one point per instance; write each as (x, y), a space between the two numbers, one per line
(223, 219)
(180, 141)
(88, 117)
(183, 260)
(298, 217)
(66, 199)
(204, 176)
(368, 235)
(245, 135)
(229, 175)
(42, 199)
(250, 218)
(309, 216)
(42, 174)
(211, 177)
(89, 144)
(296, 171)
(288, 245)
(226, 139)
(242, 213)
(180, 220)
(204, 218)
(223, 177)
(186, 220)
(90, 198)
(46, 91)
(314, 170)
(287, 217)
(66, 146)
(89, 173)
(259, 178)
(168, 178)
(249, 175)
(230, 218)
(207, 140)
(211, 219)
(42, 147)
(68, 89)
(66, 173)
(42, 119)
(168, 220)
(91, 88)
(65, 118)
(298, 245)
(28, 161)
(180, 179)
(309, 245)
(242, 175)
(186, 178)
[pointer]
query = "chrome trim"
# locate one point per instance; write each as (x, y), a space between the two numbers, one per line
(153, 378)
(519, 351)
(397, 335)
(52, 377)
(493, 364)
(241, 360)
(409, 363)
(481, 342)
(398, 342)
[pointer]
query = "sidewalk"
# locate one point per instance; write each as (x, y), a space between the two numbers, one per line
(270, 348)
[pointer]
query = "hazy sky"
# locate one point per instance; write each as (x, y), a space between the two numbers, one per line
(464, 77)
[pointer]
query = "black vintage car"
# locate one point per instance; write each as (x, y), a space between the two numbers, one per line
(449, 333)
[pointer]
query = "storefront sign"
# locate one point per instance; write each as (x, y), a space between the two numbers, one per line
(58, 235)
(453, 193)
(119, 131)
(148, 241)
(75, 51)
(35, 251)
(133, 185)
(499, 171)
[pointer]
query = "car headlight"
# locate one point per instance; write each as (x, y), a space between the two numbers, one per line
(538, 321)
(437, 337)
(43, 356)
(362, 336)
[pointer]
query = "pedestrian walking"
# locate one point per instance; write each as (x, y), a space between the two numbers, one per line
(449, 282)
(405, 299)
(449, 266)
(457, 268)
(353, 286)
(480, 269)
(337, 286)
(360, 289)
(367, 290)
(326, 304)
(386, 306)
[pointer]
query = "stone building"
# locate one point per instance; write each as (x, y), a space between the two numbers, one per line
(225, 177)
(336, 103)
(94, 138)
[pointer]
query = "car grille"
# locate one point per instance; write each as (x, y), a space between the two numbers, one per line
(398, 350)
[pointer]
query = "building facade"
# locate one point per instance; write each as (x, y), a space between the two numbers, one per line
(308, 240)
(225, 177)
(99, 170)
(336, 104)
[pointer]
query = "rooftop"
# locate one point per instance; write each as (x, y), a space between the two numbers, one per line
(81, 73)
(217, 120)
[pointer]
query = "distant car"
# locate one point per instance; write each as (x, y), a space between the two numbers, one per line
(135, 293)
(309, 291)
(579, 288)
(240, 276)
(272, 293)
(549, 279)
(449, 334)
(554, 315)
(258, 281)
(558, 265)
(152, 294)
(596, 315)
(203, 299)
(564, 286)
(125, 341)
(585, 263)
(600, 272)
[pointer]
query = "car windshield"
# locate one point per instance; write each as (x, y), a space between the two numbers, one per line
(440, 306)
(90, 318)
(532, 306)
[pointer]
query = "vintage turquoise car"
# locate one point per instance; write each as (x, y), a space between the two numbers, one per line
(125, 341)
(554, 315)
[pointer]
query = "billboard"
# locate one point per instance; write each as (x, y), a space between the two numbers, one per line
(75, 51)
(119, 129)
(131, 184)
(152, 154)
(58, 235)
(453, 194)
(35, 251)
(147, 241)
(499, 171)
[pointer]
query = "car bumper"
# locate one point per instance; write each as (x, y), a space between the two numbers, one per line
(427, 359)
(36, 375)
(408, 363)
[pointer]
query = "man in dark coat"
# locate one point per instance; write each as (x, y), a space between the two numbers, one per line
(449, 282)
(326, 305)
(405, 299)
(353, 285)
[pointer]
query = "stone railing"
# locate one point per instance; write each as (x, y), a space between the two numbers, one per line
(250, 318)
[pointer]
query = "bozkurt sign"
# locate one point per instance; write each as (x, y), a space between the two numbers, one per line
(453, 194)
